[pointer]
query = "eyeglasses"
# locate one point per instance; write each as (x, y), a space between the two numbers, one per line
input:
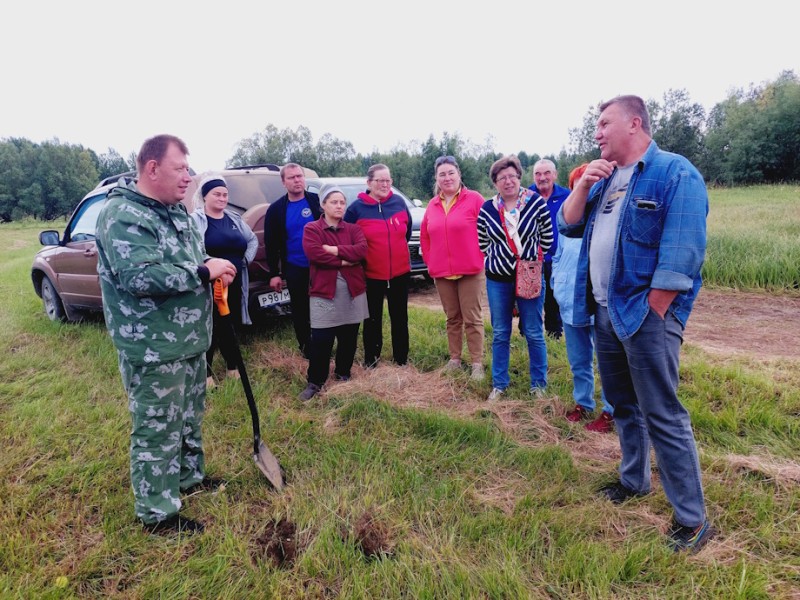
(445, 160)
(505, 178)
(383, 181)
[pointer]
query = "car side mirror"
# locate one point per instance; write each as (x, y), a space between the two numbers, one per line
(49, 238)
(417, 202)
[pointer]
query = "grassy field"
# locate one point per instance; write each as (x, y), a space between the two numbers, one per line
(403, 483)
(754, 238)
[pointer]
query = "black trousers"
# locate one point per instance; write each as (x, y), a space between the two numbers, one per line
(396, 293)
(297, 282)
(319, 352)
(221, 336)
(552, 312)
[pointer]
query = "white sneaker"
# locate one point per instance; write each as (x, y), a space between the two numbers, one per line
(538, 392)
(454, 364)
(477, 372)
(494, 394)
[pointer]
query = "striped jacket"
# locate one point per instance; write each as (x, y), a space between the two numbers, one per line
(535, 230)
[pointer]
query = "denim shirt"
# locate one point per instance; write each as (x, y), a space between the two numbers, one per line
(562, 280)
(661, 242)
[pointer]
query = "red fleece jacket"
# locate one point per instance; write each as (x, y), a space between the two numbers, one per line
(387, 227)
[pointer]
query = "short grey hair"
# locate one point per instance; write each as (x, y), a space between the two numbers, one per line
(633, 106)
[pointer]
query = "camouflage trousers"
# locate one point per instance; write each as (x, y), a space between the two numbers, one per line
(166, 403)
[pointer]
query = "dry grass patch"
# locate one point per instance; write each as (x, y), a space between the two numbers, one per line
(783, 473)
(596, 451)
(501, 490)
(406, 387)
(529, 423)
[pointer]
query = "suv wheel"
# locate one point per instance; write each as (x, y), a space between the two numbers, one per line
(52, 301)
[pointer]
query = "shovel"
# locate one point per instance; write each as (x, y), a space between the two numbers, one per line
(265, 460)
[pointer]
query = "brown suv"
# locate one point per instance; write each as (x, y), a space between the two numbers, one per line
(64, 273)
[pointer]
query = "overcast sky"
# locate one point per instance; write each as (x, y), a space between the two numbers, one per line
(516, 74)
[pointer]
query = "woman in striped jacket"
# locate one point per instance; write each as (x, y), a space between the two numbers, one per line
(513, 224)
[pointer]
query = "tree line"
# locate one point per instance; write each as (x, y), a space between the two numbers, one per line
(751, 137)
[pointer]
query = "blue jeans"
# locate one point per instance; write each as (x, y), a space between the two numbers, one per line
(580, 354)
(640, 379)
(502, 297)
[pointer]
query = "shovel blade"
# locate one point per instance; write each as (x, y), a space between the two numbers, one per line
(268, 465)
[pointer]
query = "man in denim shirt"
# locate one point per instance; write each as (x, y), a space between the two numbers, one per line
(642, 215)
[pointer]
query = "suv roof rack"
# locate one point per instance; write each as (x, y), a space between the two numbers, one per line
(128, 175)
(269, 166)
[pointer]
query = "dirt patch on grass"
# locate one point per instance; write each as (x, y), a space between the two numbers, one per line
(745, 323)
(372, 536)
(277, 544)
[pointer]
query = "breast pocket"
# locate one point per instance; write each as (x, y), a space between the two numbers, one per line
(646, 222)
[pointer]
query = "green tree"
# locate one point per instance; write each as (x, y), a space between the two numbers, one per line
(274, 146)
(779, 116)
(335, 157)
(112, 163)
(13, 179)
(65, 172)
(677, 125)
(27, 191)
(754, 136)
(582, 145)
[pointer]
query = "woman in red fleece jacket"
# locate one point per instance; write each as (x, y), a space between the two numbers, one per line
(449, 242)
(337, 290)
(386, 222)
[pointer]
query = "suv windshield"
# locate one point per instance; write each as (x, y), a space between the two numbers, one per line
(83, 224)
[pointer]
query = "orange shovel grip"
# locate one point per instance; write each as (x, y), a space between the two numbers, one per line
(221, 298)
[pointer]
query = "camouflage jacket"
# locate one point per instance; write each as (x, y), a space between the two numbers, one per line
(157, 306)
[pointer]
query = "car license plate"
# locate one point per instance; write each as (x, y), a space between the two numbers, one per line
(273, 298)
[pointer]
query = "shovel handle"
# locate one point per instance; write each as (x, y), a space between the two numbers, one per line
(264, 459)
(221, 298)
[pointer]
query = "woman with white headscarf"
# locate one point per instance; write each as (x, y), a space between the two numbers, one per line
(337, 289)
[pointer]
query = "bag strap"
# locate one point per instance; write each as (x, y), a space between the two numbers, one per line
(511, 243)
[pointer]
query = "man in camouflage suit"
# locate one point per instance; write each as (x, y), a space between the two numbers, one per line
(155, 276)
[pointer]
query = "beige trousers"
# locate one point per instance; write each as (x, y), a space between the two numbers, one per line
(461, 300)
